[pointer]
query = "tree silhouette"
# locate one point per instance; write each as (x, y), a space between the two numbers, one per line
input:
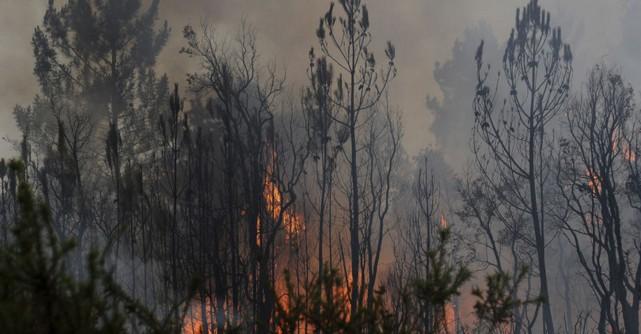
(514, 132)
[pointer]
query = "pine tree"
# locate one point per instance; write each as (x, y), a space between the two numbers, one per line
(37, 294)
(537, 69)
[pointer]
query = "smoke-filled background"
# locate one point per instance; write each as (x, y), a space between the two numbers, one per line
(436, 92)
(426, 33)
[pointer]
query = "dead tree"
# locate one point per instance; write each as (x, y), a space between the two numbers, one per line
(324, 146)
(345, 40)
(500, 239)
(268, 159)
(597, 175)
(537, 71)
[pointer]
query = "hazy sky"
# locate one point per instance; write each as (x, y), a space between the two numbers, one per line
(423, 32)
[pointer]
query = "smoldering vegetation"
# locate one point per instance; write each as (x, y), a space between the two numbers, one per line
(233, 204)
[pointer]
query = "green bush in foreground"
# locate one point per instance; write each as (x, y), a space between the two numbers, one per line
(38, 295)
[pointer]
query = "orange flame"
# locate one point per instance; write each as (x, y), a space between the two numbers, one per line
(594, 183)
(629, 154)
(443, 222)
(292, 222)
(193, 324)
(449, 318)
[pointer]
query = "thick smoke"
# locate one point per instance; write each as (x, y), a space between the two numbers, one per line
(452, 113)
(424, 33)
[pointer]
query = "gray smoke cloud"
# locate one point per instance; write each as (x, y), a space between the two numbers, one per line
(423, 31)
(17, 83)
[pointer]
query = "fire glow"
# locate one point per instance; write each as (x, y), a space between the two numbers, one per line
(594, 183)
(292, 224)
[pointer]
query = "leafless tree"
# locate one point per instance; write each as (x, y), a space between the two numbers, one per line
(597, 175)
(267, 157)
(500, 240)
(515, 132)
(344, 40)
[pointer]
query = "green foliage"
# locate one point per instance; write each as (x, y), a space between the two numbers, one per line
(495, 306)
(443, 281)
(37, 294)
(324, 307)
(93, 59)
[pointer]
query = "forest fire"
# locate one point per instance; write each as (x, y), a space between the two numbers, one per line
(193, 323)
(443, 222)
(593, 183)
(255, 173)
(628, 153)
(275, 206)
(292, 222)
(449, 319)
(292, 226)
